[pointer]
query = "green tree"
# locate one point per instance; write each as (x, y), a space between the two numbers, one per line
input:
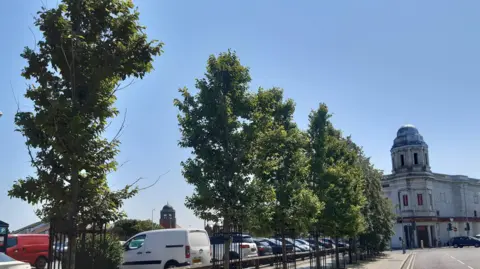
(336, 177)
(127, 228)
(281, 162)
(215, 124)
(378, 211)
(88, 48)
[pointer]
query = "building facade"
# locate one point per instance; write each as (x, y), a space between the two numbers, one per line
(427, 202)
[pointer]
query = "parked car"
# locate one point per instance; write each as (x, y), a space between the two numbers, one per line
(7, 262)
(277, 246)
(465, 241)
(477, 236)
(324, 245)
(60, 250)
(242, 244)
(264, 249)
(327, 243)
(29, 248)
(167, 248)
(340, 244)
(299, 247)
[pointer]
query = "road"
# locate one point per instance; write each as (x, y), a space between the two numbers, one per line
(447, 258)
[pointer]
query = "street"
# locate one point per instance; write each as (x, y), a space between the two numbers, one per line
(447, 258)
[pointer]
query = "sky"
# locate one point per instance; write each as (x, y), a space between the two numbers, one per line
(377, 65)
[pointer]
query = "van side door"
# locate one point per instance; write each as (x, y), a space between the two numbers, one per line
(138, 254)
(133, 255)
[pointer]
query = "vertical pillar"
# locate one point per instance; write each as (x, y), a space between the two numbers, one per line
(430, 242)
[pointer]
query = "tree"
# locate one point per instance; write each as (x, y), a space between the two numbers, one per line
(127, 228)
(88, 48)
(378, 211)
(336, 178)
(215, 124)
(280, 161)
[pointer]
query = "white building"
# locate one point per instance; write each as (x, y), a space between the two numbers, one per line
(427, 202)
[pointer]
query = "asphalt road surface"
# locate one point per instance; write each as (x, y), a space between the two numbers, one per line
(447, 258)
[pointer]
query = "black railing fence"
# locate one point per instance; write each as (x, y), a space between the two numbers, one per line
(91, 246)
(290, 250)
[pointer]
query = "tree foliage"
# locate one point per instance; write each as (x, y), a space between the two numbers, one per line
(336, 177)
(281, 162)
(378, 211)
(127, 228)
(88, 48)
(215, 124)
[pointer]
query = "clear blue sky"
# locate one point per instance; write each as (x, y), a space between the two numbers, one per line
(377, 64)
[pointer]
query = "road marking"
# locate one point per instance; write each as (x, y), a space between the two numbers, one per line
(470, 267)
(411, 262)
(460, 261)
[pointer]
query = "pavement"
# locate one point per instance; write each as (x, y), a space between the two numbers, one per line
(447, 258)
(390, 260)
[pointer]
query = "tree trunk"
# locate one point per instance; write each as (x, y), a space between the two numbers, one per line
(350, 261)
(226, 244)
(317, 251)
(284, 250)
(337, 256)
(72, 229)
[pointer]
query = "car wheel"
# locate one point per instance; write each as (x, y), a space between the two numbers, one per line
(41, 263)
(171, 264)
(461, 246)
(455, 245)
(477, 245)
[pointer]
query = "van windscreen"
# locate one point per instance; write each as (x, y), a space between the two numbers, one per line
(199, 239)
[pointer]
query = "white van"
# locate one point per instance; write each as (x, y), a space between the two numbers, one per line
(167, 248)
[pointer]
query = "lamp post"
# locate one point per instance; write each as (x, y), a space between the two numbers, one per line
(466, 210)
(153, 223)
(403, 230)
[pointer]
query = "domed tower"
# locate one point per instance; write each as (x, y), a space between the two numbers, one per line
(167, 217)
(409, 151)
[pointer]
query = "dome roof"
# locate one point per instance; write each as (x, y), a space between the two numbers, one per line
(408, 135)
(167, 207)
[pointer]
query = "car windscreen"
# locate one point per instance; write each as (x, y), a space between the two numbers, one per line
(5, 258)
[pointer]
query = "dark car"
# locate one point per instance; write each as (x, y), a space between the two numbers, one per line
(465, 241)
(276, 245)
(264, 249)
(322, 243)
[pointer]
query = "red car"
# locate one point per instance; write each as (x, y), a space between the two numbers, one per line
(29, 248)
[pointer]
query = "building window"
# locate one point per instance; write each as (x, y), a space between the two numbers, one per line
(415, 158)
(426, 158)
(438, 213)
(420, 199)
(475, 198)
(405, 200)
(475, 213)
(402, 160)
(442, 197)
(431, 201)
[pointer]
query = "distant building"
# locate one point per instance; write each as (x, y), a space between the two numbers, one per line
(34, 228)
(427, 203)
(167, 217)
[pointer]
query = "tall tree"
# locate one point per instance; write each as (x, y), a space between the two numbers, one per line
(378, 211)
(336, 178)
(281, 162)
(215, 124)
(88, 48)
